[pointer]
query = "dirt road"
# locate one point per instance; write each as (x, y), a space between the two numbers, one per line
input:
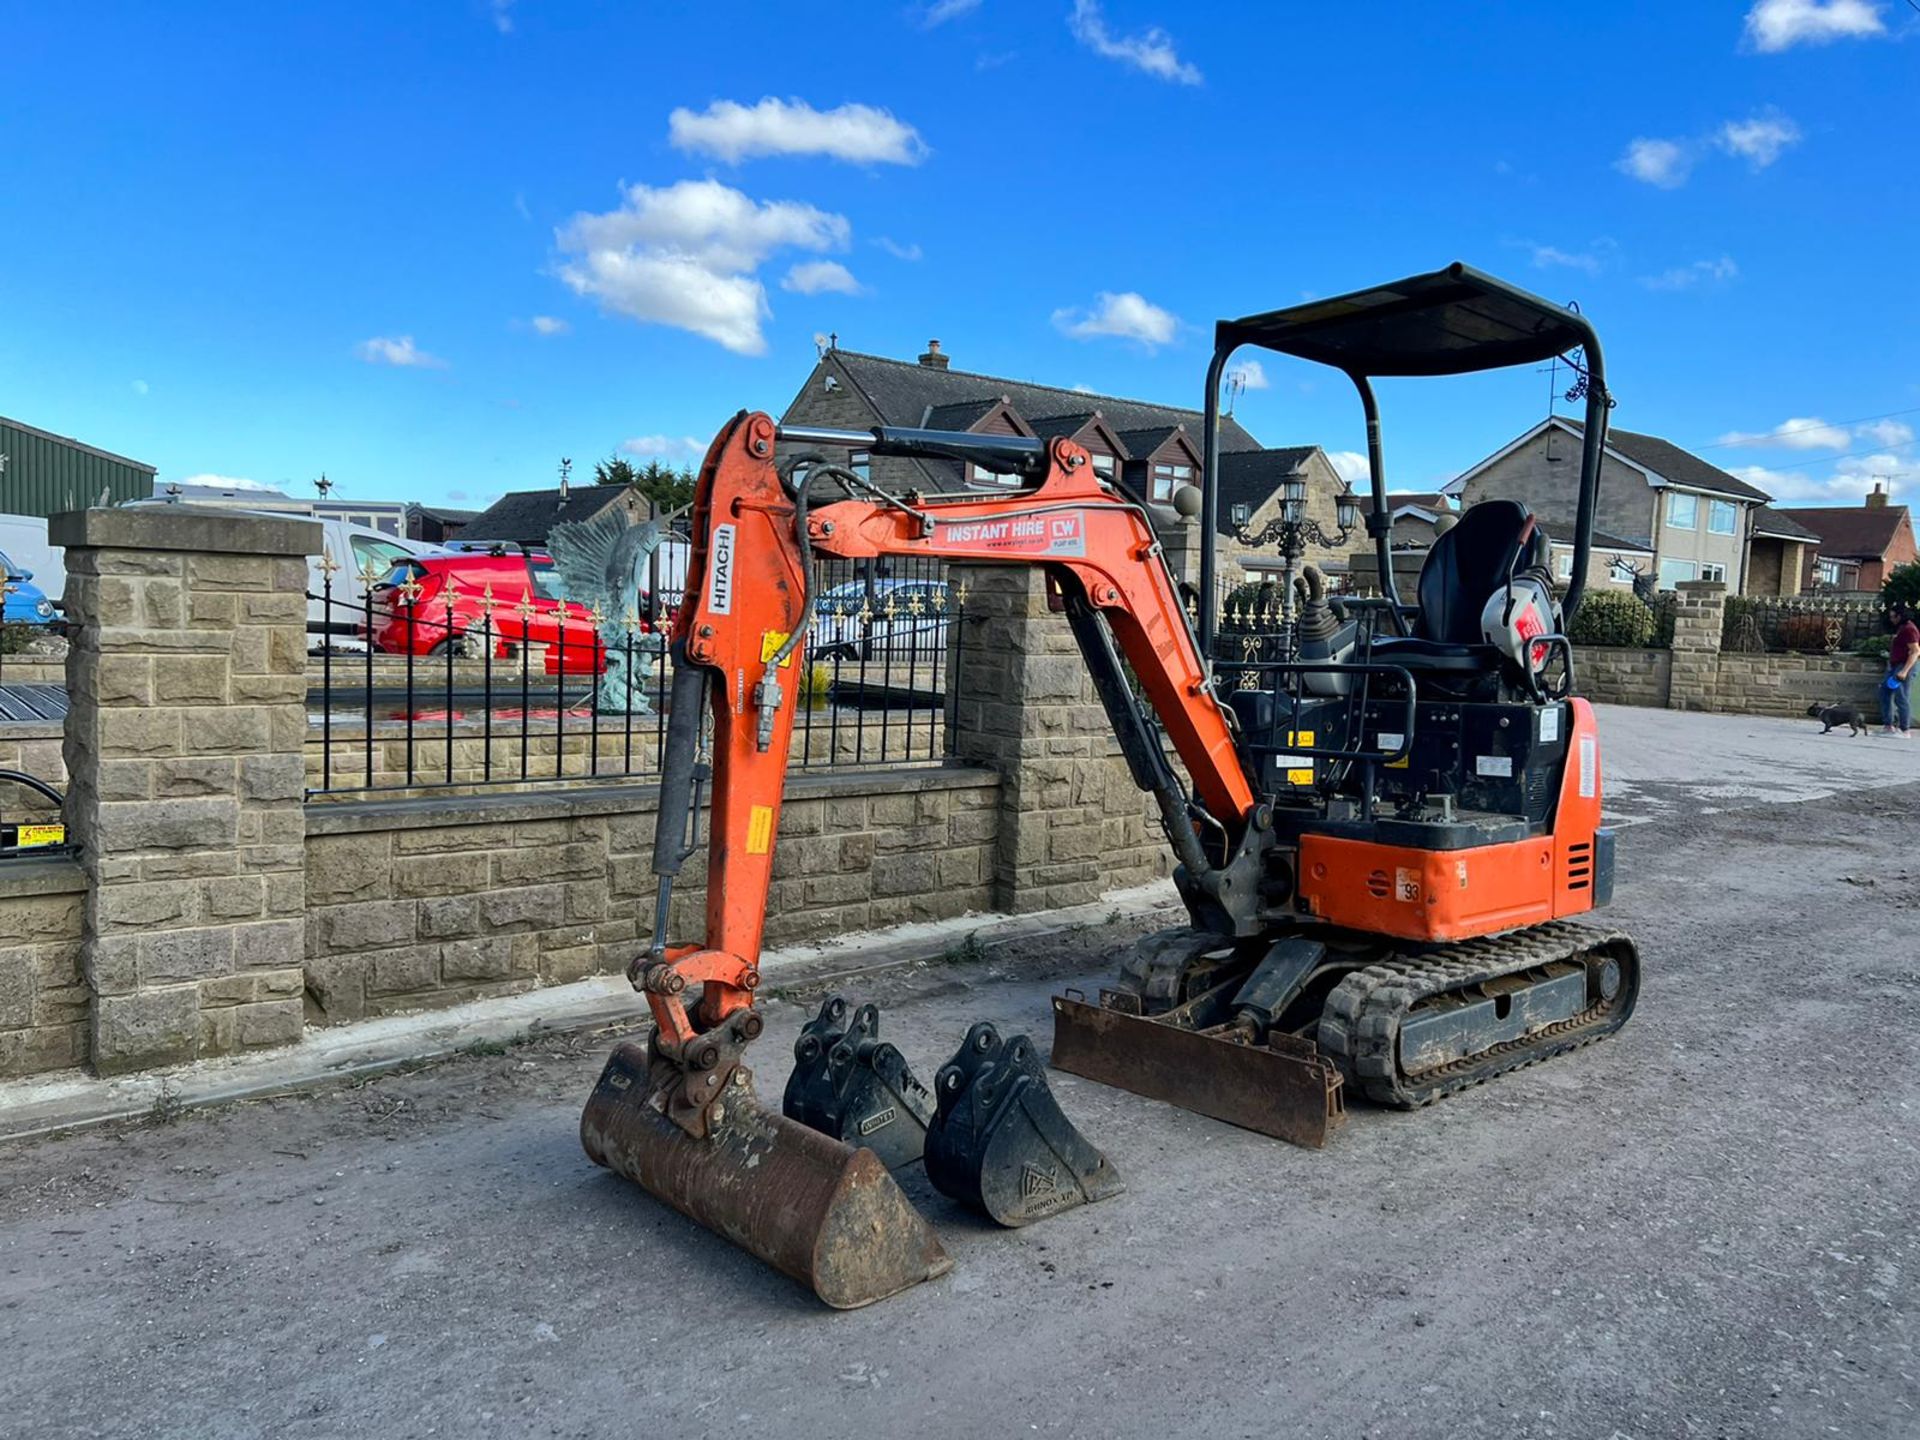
(1705, 1226)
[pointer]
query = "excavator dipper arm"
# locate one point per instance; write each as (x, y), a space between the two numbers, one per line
(738, 642)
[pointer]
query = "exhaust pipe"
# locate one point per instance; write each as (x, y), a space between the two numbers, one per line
(811, 1206)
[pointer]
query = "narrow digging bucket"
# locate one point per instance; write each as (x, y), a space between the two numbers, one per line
(1285, 1088)
(811, 1206)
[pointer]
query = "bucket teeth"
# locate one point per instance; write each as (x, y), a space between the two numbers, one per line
(854, 1086)
(999, 1140)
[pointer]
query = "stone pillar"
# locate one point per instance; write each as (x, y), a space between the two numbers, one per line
(187, 787)
(1699, 612)
(1072, 825)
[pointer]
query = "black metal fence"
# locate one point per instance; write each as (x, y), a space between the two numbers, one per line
(1809, 624)
(431, 683)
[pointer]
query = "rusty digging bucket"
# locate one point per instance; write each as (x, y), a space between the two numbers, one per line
(811, 1206)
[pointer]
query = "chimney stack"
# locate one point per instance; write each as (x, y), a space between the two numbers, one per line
(1878, 499)
(933, 359)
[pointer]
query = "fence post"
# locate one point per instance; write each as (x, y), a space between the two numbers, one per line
(184, 748)
(1698, 616)
(1072, 825)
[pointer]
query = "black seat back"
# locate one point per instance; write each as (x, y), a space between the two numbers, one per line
(1470, 562)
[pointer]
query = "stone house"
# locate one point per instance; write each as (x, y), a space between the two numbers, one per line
(1693, 519)
(1856, 545)
(1149, 450)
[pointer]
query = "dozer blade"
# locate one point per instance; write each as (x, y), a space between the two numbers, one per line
(854, 1086)
(1284, 1088)
(999, 1140)
(812, 1207)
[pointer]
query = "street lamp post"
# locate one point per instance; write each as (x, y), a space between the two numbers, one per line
(1291, 530)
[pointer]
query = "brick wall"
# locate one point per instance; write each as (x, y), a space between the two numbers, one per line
(419, 903)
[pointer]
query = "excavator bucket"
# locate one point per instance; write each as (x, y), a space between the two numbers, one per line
(999, 1141)
(849, 1083)
(1284, 1088)
(811, 1206)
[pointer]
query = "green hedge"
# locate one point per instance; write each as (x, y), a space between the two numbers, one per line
(1612, 617)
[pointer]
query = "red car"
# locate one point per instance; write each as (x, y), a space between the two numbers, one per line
(422, 604)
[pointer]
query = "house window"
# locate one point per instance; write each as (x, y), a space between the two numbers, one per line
(1720, 517)
(1672, 572)
(1103, 466)
(1168, 478)
(1710, 571)
(1827, 572)
(1563, 565)
(1621, 572)
(1683, 511)
(982, 479)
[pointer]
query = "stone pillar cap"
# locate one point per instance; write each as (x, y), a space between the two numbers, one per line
(203, 528)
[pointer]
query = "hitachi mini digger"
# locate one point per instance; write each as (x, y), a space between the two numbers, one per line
(1381, 834)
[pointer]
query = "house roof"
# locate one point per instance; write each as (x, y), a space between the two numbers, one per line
(1780, 525)
(1601, 540)
(1851, 532)
(1048, 427)
(961, 414)
(1670, 462)
(528, 516)
(905, 391)
(1398, 500)
(1248, 477)
(1143, 442)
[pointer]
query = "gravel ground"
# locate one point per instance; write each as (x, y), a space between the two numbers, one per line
(1703, 1227)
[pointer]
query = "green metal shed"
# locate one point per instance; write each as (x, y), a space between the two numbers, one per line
(42, 474)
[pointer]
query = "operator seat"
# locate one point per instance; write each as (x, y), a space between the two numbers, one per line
(1494, 540)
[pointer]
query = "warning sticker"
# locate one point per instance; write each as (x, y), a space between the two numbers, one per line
(1495, 766)
(1589, 768)
(1298, 768)
(30, 836)
(770, 643)
(1549, 724)
(760, 830)
(1062, 535)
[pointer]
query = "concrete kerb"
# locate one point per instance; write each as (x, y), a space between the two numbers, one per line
(48, 1105)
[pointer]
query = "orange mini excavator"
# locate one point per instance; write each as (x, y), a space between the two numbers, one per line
(1382, 831)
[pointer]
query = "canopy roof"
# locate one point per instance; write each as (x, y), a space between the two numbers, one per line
(1449, 322)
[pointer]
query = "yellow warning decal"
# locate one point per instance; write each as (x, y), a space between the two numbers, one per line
(30, 836)
(1299, 776)
(760, 828)
(770, 643)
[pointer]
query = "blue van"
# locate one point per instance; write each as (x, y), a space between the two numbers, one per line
(26, 603)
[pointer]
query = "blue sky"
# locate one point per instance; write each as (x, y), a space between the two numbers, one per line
(432, 248)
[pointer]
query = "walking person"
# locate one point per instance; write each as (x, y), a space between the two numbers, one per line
(1903, 651)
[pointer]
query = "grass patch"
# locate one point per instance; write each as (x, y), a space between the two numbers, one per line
(167, 1106)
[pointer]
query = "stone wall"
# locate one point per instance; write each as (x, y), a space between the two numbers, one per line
(1618, 675)
(1787, 684)
(419, 903)
(44, 1000)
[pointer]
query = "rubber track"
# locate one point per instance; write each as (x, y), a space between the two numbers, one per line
(1360, 1027)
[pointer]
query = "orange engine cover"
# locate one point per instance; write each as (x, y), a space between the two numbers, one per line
(1439, 895)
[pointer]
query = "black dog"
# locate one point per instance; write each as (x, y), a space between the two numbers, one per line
(1836, 714)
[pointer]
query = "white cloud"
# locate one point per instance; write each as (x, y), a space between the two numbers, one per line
(819, 277)
(1795, 434)
(687, 255)
(941, 11)
(1685, 277)
(1251, 373)
(1549, 257)
(503, 16)
(221, 482)
(1774, 25)
(1847, 484)
(1085, 390)
(397, 350)
(858, 134)
(1349, 465)
(896, 249)
(1127, 315)
(1885, 432)
(663, 447)
(1759, 139)
(1665, 163)
(140, 387)
(549, 325)
(1150, 51)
